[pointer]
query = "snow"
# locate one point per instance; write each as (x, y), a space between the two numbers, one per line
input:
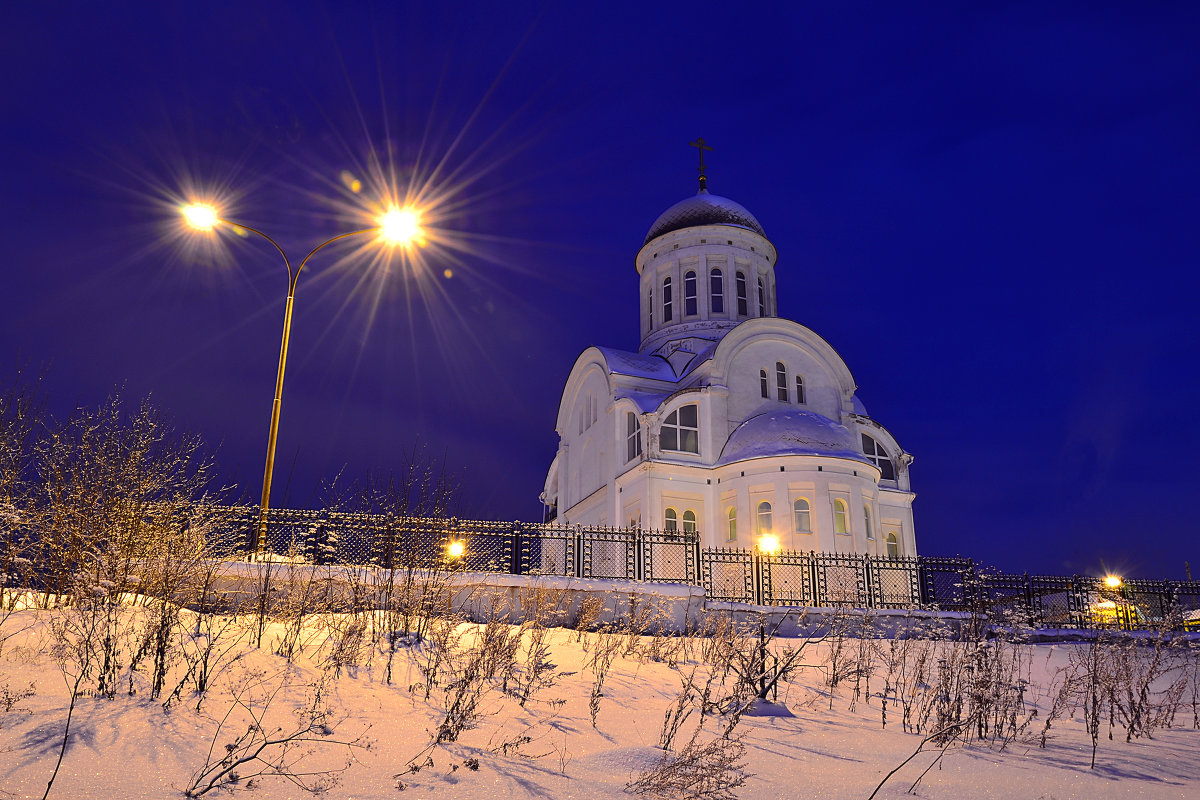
(793, 432)
(637, 365)
(809, 742)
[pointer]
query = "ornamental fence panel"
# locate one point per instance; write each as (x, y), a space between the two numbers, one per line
(799, 579)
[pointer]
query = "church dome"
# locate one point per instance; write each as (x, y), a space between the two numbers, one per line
(793, 432)
(704, 209)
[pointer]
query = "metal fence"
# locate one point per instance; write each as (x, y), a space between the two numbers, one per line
(805, 579)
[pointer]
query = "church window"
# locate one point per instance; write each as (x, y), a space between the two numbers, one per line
(762, 299)
(799, 389)
(893, 546)
(867, 520)
(717, 290)
(681, 430)
(764, 517)
(762, 383)
(667, 299)
(839, 517)
(689, 521)
(650, 305)
(803, 516)
(671, 520)
(633, 437)
(879, 457)
(743, 305)
(731, 516)
(689, 294)
(781, 382)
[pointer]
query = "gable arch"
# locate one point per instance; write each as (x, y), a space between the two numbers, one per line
(590, 365)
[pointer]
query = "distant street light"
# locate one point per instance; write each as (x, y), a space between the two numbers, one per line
(396, 227)
(768, 544)
(1113, 581)
(455, 549)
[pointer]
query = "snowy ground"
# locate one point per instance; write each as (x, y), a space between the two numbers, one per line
(129, 747)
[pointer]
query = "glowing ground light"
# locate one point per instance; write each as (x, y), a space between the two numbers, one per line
(455, 550)
(1112, 581)
(768, 543)
(200, 216)
(400, 226)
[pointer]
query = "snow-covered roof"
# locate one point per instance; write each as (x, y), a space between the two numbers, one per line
(645, 401)
(637, 365)
(792, 432)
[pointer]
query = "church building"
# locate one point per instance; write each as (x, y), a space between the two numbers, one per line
(729, 420)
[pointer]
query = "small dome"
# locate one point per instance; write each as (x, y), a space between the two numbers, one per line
(703, 209)
(785, 433)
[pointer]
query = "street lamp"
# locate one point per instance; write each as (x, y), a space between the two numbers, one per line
(396, 227)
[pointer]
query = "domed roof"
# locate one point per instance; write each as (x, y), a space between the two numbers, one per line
(792, 432)
(703, 209)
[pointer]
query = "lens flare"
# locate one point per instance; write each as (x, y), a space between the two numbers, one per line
(1112, 581)
(200, 216)
(400, 226)
(455, 550)
(768, 543)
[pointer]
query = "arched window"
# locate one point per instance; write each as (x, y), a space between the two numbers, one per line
(799, 389)
(839, 517)
(781, 381)
(764, 517)
(670, 520)
(867, 521)
(743, 302)
(690, 308)
(803, 515)
(681, 430)
(716, 288)
(633, 437)
(762, 299)
(893, 546)
(667, 299)
(689, 521)
(732, 517)
(879, 457)
(762, 383)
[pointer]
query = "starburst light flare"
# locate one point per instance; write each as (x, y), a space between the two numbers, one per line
(401, 226)
(201, 216)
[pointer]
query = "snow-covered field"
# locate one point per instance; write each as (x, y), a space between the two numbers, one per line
(531, 733)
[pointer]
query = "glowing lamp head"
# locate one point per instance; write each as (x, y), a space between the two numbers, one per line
(400, 226)
(455, 550)
(1113, 581)
(768, 543)
(201, 216)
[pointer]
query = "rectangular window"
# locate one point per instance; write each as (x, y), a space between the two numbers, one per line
(742, 299)
(689, 295)
(717, 292)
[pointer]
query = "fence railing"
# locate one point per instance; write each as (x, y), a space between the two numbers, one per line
(809, 579)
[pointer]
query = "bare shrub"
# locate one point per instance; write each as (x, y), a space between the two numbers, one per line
(703, 770)
(265, 749)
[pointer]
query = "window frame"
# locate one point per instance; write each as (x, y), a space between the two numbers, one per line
(716, 291)
(878, 455)
(691, 302)
(799, 389)
(633, 438)
(666, 299)
(781, 382)
(685, 522)
(743, 297)
(731, 524)
(762, 298)
(680, 429)
(768, 513)
(840, 517)
(763, 387)
(867, 521)
(806, 511)
(893, 545)
(670, 520)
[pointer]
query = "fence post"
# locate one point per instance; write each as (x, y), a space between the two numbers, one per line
(756, 572)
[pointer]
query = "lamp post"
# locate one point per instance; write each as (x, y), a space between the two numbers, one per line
(396, 226)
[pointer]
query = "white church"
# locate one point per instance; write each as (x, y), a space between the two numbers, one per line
(729, 420)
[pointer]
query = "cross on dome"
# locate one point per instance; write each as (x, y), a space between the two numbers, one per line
(701, 146)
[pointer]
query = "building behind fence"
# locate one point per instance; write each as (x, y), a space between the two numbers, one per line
(805, 579)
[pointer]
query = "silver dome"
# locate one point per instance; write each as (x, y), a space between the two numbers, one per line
(703, 209)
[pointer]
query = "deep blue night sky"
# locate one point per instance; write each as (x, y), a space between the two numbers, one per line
(990, 210)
